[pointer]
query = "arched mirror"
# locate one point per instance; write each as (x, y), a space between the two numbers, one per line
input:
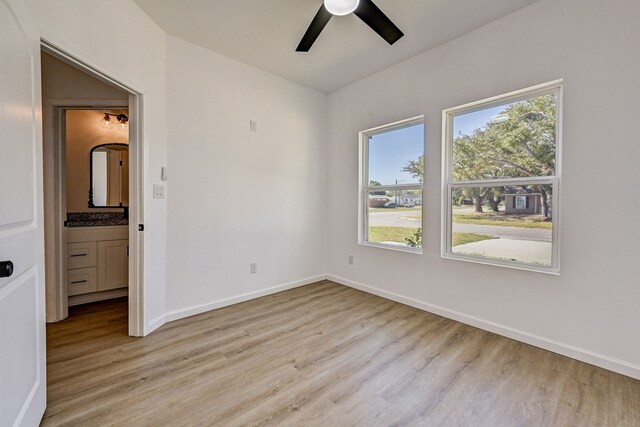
(109, 176)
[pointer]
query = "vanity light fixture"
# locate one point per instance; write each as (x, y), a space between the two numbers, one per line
(121, 119)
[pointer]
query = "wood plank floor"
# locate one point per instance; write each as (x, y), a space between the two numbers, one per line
(319, 355)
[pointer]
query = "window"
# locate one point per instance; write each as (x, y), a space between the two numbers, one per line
(391, 177)
(501, 177)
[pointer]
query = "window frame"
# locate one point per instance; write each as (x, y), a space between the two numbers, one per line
(364, 188)
(524, 204)
(448, 184)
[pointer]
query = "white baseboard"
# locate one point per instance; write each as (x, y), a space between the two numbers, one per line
(587, 356)
(97, 296)
(155, 324)
(201, 308)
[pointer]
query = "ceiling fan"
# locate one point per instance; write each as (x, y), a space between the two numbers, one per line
(363, 9)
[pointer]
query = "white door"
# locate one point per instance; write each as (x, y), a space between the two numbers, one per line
(22, 321)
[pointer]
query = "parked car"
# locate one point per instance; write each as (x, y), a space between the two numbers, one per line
(390, 205)
(408, 205)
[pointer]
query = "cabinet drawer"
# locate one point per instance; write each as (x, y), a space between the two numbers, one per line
(82, 281)
(81, 255)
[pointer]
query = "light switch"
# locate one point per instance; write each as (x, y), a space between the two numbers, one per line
(158, 191)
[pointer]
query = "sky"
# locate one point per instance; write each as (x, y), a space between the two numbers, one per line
(467, 123)
(390, 151)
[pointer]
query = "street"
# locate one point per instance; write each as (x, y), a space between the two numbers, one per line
(529, 245)
(400, 217)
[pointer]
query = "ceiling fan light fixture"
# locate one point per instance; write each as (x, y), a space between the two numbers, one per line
(341, 7)
(366, 10)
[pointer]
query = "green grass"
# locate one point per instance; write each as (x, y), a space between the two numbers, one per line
(501, 220)
(390, 234)
(464, 238)
(399, 234)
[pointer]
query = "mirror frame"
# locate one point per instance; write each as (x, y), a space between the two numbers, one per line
(91, 204)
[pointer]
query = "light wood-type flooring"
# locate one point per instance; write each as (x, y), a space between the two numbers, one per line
(319, 355)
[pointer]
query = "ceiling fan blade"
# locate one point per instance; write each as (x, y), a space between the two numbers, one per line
(378, 21)
(317, 25)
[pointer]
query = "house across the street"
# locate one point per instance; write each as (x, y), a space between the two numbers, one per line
(412, 199)
(522, 202)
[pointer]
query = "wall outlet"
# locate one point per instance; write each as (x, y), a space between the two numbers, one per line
(350, 259)
(253, 126)
(253, 268)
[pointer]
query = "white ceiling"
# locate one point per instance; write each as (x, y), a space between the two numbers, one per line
(265, 33)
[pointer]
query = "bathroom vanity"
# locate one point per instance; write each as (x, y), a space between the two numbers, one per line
(97, 263)
(97, 235)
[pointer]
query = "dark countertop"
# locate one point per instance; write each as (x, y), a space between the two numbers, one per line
(96, 219)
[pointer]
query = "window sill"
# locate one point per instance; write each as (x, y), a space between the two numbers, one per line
(554, 271)
(416, 251)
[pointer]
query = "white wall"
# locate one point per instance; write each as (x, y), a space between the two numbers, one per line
(121, 41)
(237, 197)
(591, 310)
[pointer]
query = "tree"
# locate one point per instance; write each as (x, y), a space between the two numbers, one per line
(457, 196)
(494, 197)
(468, 165)
(521, 144)
(415, 168)
(373, 183)
(478, 194)
(415, 240)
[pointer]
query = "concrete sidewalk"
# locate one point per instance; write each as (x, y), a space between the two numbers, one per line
(528, 251)
(513, 233)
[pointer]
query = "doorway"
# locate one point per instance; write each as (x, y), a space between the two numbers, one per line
(92, 150)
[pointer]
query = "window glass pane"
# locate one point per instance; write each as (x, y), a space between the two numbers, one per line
(512, 140)
(504, 223)
(396, 156)
(395, 218)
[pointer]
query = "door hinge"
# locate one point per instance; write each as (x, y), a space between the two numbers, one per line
(140, 227)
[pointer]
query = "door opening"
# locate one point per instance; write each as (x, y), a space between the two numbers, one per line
(92, 188)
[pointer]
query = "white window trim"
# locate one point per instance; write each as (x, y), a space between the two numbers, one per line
(364, 187)
(448, 184)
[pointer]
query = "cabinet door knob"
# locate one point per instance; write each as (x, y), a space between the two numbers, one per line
(6, 268)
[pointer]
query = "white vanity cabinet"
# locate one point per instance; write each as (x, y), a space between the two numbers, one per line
(97, 263)
(113, 264)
